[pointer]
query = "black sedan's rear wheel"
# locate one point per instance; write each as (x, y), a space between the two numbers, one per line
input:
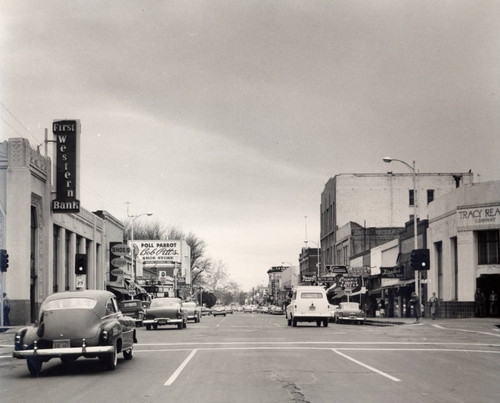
(111, 359)
(148, 327)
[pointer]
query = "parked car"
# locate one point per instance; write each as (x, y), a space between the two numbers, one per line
(248, 308)
(229, 309)
(308, 304)
(349, 312)
(276, 310)
(219, 310)
(165, 311)
(193, 311)
(134, 309)
(73, 324)
(333, 309)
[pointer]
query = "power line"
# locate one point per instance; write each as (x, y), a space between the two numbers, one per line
(20, 123)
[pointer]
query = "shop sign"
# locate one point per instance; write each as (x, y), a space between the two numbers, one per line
(479, 216)
(119, 262)
(67, 134)
(392, 272)
(336, 269)
(349, 283)
(121, 249)
(158, 252)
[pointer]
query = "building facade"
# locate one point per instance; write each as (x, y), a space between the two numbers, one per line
(41, 244)
(308, 265)
(464, 243)
(377, 200)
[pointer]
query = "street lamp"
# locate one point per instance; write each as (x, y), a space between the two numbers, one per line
(415, 232)
(133, 218)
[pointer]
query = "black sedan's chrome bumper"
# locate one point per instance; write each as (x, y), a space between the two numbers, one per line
(59, 352)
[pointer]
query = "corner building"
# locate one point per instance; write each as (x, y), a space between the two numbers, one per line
(42, 245)
(464, 242)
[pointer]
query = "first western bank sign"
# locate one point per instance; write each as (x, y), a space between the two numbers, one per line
(67, 134)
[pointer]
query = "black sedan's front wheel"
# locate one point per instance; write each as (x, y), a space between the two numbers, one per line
(129, 354)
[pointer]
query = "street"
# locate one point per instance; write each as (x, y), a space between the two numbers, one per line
(256, 357)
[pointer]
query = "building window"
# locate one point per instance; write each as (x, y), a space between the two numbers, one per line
(412, 195)
(430, 195)
(488, 244)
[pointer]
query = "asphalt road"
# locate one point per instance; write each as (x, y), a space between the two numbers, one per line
(258, 358)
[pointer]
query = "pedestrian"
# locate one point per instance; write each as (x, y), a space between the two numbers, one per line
(493, 303)
(479, 300)
(433, 301)
(6, 310)
(415, 303)
(382, 308)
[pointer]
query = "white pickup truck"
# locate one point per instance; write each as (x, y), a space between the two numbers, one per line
(309, 304)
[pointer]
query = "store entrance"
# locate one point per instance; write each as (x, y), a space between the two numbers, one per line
(489, 283)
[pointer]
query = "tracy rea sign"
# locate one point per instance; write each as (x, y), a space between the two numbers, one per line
(479, 216)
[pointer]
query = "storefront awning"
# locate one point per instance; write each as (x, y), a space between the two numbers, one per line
(399, 284)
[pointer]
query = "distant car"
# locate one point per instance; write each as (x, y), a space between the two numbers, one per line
(276, 310)
(349, 312)
(193, 311)
(74, 324)
(248, 308)
(134, 309)
(206, 311)
(165, 311)
(229, 309)
(308, 304)
(219, 310)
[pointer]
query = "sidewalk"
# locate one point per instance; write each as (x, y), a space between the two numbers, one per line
(463, 322)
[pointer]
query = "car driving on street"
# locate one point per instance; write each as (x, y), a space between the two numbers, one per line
(193, 311)
(308, 304)
(219, 310)
(74, 324)
(133, 308)
(165, 311)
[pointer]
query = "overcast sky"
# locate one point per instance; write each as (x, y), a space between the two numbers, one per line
(227, 118)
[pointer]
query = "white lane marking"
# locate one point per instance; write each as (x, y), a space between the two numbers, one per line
(444, 350)
(465, 330)
(218, 324)
(392, 378)
(177, 372)
(347, 343)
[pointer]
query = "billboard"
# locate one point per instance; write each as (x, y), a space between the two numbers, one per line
(171, 256)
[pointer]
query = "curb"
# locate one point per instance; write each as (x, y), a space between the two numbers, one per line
(383, 322)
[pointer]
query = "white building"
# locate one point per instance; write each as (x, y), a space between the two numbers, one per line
(463, 238)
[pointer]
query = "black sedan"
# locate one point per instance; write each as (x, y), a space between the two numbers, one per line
(74, 324)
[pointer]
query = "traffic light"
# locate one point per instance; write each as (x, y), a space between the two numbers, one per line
(80, 263)
(4, 260)
(419, 259)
